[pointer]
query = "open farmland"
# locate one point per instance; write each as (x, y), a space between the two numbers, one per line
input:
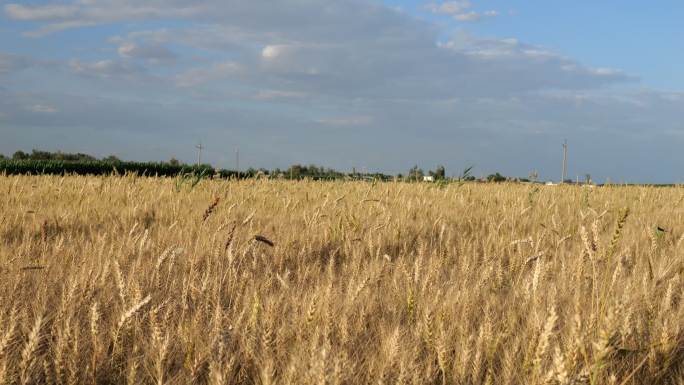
(127, 280)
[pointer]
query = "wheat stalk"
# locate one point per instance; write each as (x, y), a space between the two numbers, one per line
(28, 353)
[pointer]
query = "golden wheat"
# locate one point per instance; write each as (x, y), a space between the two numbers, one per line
(127, 280)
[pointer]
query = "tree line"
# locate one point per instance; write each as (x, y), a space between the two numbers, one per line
(46, 162)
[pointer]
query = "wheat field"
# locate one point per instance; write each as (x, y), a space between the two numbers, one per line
(128, 280)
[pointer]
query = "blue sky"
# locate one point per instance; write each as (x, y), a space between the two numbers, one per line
(350, 83)
(629, 35)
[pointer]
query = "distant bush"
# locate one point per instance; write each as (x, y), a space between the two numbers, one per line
(496, 178)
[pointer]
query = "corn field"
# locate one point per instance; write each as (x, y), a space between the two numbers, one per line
(102, 167)
(131, 280)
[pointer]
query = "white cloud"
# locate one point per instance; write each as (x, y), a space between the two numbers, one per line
(460, 10)
(111, 69)
(154, 53)
(41, 12)
(126, 49)
(42, 109)
(278, 94)
(57, 27)
(450, 7)
(303, 18)
(469, 16)
(91, 12)
(201, 75)
(605, 71)
(339, 48)
(278, 72)
(271, 52)
(672, 96)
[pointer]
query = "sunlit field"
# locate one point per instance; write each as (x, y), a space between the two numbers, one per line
(127, 280)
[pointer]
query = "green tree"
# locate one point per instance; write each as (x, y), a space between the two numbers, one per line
(496, 178)
(415, 173)
(78, 157)
(440, 173)
(251, 172)
(20, 155)
(112, 159)
(295, 171)
(41, 155)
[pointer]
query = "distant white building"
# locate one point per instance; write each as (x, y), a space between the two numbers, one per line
(428, 178)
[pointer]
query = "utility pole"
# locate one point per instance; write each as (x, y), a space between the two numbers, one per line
(565, 160)
(237, 159)
(199, 153)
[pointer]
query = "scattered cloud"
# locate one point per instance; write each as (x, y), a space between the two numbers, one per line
(57, 27)
(94, 12)
(347, 121)
(468, 16)
(450, 7)
(154, 53)
(214, 72)
(671, 96)
(460, 10)
(42, 109)
(603, 71)
(110, 69)
(535, 66)
(346, 49)
(41, 12)
(298, 75)
(271, 52)
(278, 94)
